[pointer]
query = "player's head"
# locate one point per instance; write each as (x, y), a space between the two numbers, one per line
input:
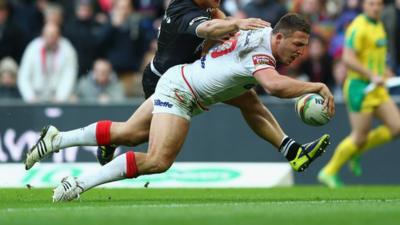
(205, 4)
(291, 35)
(373, 8)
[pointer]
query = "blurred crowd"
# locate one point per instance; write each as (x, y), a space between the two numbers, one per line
(61, 51)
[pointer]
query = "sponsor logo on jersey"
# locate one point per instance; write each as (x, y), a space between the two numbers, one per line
(197, 19)
(162, 104)
(263, 60)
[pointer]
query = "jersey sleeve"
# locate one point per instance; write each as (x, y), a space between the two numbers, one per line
(192, 20)
(354, 37)
(254, 51)
(258, 60)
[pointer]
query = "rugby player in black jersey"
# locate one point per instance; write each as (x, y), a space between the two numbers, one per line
(185, 27)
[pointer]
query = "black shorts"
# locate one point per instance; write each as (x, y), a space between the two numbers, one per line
(149, 81)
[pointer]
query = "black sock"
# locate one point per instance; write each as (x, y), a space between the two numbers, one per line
(289, 148)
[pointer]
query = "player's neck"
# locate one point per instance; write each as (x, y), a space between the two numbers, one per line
(274, 45)
(201, 3)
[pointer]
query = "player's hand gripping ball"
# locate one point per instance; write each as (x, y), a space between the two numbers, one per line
(310, 109)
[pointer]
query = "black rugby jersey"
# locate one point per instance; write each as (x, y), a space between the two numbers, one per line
(177, 41)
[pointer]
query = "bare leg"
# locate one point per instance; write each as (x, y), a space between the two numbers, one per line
(361, 125)
(390, 116)
(167, 135)
(135, 130)
(258, 117)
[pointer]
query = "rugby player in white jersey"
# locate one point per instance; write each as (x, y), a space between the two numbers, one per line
(227, 71)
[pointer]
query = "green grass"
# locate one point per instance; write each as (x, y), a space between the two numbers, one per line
(299, 205)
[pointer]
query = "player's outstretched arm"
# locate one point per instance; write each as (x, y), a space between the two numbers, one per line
(286, 87)
(218, 29)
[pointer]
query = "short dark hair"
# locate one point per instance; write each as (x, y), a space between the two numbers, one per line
(290, 23)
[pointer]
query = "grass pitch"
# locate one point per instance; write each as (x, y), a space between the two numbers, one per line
(298, 205)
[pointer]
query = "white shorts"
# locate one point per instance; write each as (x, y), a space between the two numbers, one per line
(173, 96)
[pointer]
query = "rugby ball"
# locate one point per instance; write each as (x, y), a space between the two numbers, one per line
(310, 109)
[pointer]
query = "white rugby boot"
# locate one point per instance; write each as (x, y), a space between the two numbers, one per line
(43, 147)
(68, 190)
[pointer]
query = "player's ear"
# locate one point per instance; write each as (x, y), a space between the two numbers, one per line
(279, 37)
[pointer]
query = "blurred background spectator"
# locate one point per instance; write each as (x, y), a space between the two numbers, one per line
(11, 37)
(8, 80)
(391, 21)
(100, 85)
(318, 65)
(82, 30)
(53, 13)
(29, 17)
(123, 44)
(351, 9)
(268, 10)
(49, 68)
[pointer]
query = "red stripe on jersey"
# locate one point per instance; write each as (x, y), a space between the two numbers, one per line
(192, 91)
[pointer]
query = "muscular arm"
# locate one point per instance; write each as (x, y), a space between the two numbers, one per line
(221, 27)
(286, 87)
(283, 86)
(217, 28)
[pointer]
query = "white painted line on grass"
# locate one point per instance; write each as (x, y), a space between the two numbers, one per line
(183, 205)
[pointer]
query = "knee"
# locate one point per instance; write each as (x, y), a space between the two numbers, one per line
(359, 139)
(158, 164)
(395, 130)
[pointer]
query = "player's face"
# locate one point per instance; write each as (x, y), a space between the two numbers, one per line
(373, 8)
(291, 47)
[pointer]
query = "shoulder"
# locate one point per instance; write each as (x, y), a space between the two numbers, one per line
(252, 39)
(358, 23)
(86, 81)
(183, 7)
(356, 27)
(35, 43)
(67, 46)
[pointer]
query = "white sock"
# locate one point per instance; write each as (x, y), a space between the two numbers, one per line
(85, 136)
(112, 171)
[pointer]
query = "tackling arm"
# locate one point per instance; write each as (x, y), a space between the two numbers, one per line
(220, 27)
(217, 28)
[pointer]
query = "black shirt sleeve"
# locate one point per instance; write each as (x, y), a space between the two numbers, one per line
(192, 20)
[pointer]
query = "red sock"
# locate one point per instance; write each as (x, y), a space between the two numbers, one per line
(131, 167)
(103, 135)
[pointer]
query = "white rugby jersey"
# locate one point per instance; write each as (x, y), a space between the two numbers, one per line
(227, 70)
